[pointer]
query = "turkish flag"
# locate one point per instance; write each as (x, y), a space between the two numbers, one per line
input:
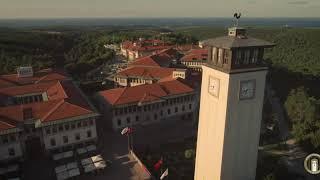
(158, 165)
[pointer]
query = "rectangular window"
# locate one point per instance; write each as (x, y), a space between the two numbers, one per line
(255, 56)
(5, 139)
(54, 129)
(47, 130)
(220, 56)
(79, 124)
(66, 126)
(183, 108)
(73, 126)
(91, 122)
(246, 57)
(155, 116)
(128, 120)
(11, 152)
(85, 123)
(238, 57)
(12, 137)
(65, 139)
(60, 128)
(169, 111)
(161, 113)
(52, 142)
(77, 136)
(190, 106)
(89, 134)
(119, 122)
(176, 109)
(137, 118)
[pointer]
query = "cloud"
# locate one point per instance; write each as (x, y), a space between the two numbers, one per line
(298, 2)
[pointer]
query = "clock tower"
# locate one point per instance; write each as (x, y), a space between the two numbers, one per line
(232, 93)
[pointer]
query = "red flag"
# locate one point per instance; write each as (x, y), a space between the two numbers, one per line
(126, 131)
(158, 165)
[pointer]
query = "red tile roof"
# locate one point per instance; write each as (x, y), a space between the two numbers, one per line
(145, 45)
(146, 72)
(195, 55)
(64, 101)
(145, 93)
(162, 59)
(40, 76)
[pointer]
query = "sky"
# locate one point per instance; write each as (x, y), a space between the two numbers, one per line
(157, 8)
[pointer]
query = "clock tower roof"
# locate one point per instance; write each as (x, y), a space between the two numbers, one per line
(236, 38)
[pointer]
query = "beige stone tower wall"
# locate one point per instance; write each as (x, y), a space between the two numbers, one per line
(229, 129)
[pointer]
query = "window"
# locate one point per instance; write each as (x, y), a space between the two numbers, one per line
(183, 107)
(5, 139)
(255, 56)
(66, 126)
(47, 130)
(89, 134)
(161, 113)
(91, 122)
(137, 118)
(145, 108)
(119, 122)
(128, 120)
(226, 57)
(73, 126)
(220, 56)
(85, 123)
(65, 139)
(52, 142)
(11, 152)
(77, 136)
(238, 57)
(176, 109)
(246, 57)
(12, 138)
(169, 111)
(79, 124)
(60, 128)
(155, 116)
(54, 129)
(190, 106)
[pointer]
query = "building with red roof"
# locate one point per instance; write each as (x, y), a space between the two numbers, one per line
(195, 58)
(148, 103)
(136, 49)
(164, 58)
(138, 75)
(46, 107)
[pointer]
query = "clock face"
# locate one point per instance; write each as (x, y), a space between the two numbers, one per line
(247, 89)
(214, 86)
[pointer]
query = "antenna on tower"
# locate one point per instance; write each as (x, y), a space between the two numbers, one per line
(237, 16)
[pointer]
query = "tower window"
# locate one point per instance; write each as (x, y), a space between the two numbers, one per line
(255, 56)
(246, 57)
